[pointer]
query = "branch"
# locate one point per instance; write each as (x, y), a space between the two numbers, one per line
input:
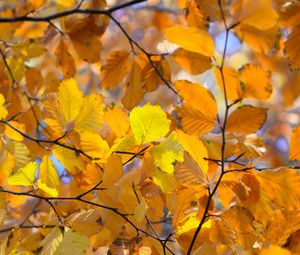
(223, 131)
(76, 10)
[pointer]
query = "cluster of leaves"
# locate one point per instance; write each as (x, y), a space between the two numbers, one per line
(126, 129)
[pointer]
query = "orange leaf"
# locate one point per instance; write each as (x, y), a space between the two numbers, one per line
(246, 119)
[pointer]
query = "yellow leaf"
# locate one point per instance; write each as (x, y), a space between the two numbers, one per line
(256, 82)
(64, 60)
(7, 163)
(231, 81)
(95, 146)
(274, 250)
(87, 45)
(140, 211)
(166, 153)
(295, 142)
(51, 242)
(24, 176)
(195, 147)
(192, 62)
(66, 3)
(20, 152)
(48, 177)
(14, 135)
(191, 39)
(90, 115)
(189, 223)
(70, 99)
(149, 123)
(117, 120)
(116, 68)
(68, 159)
(86, 222)
(50, 191)
(246, 119)
(3, 111)
(165, 181)
(73, 243)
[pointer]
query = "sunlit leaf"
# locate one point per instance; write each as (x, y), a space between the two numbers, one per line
(3, 111)
(70, 99)
(149, 123)
(191, 39)
(48, 177)
(194, 146)
(255, 82)
(25, 175)
(246, 119)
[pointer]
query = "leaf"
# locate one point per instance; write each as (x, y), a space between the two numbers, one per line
(231, 81)
(256, 82)
(149, 123)
(64, 60)
(73, 243)
(113, 171)
(261, 16)
(246, 119)
(274, 250)
(3, 111)
(189, 174)
(51, 242)
(292, 48)
(90, 115)
(295, 142)
(140, 211)
(86, 222)
(134, 91)
(259, 40)
(190, 222)
(14, 135)
(116, 68)
(95, 146)
(87, 45)
(50, 191)
(223, 233)
(48, 177)
(70, 99)
(194, 121)
(193, 63)
(117, 120)
(167, 152)
(195, 148)
(68, 159)
(191, 39)
(150, 77)
(199, 110)
(165, 181)
(282, 226)
(24, 176)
